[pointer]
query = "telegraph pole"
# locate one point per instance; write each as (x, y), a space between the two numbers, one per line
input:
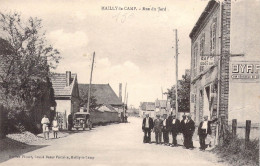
(124, 110)
(176, 69)
(89, 86)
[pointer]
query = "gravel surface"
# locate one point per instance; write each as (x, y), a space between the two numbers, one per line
(25, 137)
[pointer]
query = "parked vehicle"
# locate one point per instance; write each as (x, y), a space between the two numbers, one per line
(82, 120)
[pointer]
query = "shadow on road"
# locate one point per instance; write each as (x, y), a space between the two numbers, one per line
(10, 148)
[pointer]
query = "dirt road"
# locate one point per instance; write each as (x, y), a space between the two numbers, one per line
(115, 144)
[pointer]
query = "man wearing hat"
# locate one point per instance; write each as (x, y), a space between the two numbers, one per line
(158, 124)
(174, 129)
(203, 130)
(147, 126)
(188, 131)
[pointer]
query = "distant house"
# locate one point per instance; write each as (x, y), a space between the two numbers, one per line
(66, 95)
(147, 107)
(162, 107)
(104, 95)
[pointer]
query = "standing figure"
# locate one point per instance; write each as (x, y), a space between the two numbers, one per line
(45, 128)
(203, 130)
(165, 130)
(188, 131)
(147, 126)
(181, 127)
(55, 127)
(174, 129)
(158, 124)
(70, 122)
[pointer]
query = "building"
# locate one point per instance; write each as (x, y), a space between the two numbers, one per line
(147, 107)
(225, 62)
(104, 95)
(162, 107)
(66, 95)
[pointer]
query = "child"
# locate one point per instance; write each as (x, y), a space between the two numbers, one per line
(55, 127)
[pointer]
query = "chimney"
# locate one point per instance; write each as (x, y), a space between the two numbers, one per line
(68, 78)
(120, 92)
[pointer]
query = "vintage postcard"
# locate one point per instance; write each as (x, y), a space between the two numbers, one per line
(129, 82)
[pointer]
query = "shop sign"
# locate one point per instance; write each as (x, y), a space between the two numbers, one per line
(245, 71)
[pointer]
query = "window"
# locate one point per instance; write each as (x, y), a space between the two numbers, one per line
(213, 30)
(202, 47)
(195, 56)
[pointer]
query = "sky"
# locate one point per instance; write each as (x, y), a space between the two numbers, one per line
(133, 47)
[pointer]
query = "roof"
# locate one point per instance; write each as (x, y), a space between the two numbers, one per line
(106, 108)
(59, 84)
(103, 94)
(202, 17)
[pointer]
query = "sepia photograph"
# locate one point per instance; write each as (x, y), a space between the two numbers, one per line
(129, 82)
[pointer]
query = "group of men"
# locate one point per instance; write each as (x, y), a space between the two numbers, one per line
(173, 126)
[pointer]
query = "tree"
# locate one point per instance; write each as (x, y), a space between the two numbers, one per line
(84, 99)
(25, 88)
(27, 68)
(183, 94)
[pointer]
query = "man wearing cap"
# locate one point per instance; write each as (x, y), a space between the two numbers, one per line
(174, 129)
(203, 130)
(188, 131)
(158, 124)
(147, 126)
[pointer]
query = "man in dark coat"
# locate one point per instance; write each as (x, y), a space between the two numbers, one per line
(70, 122)
(182, 124)
(174, 129)
(147, 126)
(203, 130)
(165, 130)
(188, 131)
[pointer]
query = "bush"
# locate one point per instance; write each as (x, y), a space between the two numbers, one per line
(20, 122)
(235, 152)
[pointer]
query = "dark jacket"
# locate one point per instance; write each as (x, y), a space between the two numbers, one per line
(200, 131)
(150, 123)
(167, 127)
(189, 128)
(174, 128)
(181, 127)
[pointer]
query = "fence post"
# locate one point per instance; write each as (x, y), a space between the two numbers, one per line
(234, 128)
(247, 134)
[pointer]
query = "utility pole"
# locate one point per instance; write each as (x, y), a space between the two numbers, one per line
(124, 110)
(176, 69)
(89, 86)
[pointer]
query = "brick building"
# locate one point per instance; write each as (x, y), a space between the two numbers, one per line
(225, 62)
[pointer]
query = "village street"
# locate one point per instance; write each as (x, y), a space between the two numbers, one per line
(114, 144)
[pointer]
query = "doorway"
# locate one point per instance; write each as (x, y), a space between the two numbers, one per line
(206, 99)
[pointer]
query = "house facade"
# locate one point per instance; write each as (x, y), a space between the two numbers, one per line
(225, 62)
(66, 95)
(147, 108)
